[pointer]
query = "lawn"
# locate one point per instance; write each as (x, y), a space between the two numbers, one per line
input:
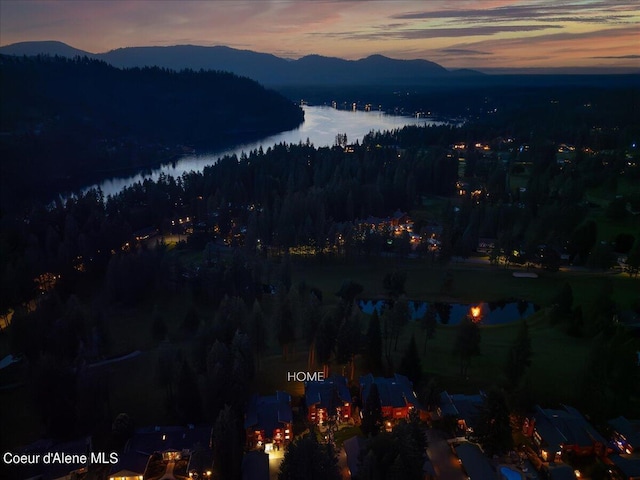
(346, 433)
(608, 229)
(557, 359)
(470, 283)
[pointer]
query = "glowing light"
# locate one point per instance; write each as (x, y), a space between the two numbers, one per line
(476, 312)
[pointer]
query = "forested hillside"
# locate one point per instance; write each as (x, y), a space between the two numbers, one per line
(68, 121)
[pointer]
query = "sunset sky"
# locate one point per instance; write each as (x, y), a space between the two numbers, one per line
(454, 33)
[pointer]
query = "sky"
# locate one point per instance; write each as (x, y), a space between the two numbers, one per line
(481, 34)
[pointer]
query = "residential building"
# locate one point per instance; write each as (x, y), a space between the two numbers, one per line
(474, 462)
(396, 395)
(269, 420)
(627, 465)
(327, 399)
(464, 408)
(626, 434)
(565, 430)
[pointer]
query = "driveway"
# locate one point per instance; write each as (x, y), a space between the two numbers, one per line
(445, 463)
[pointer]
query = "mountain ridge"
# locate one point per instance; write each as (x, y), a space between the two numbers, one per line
(265, 68)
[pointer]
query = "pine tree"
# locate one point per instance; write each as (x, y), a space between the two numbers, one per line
(372, 413)
(467, 344)
(227, 445)
(519, 356)
(374, 342)
(429, 323)
(410, 365)
(307, 459)
(188, 399)
(494, 424)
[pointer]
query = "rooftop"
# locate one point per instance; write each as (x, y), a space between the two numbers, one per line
(269, 412)
(327, 393)
(394, 392)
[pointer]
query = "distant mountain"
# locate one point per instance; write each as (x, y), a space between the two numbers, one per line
(262, 67)
(50, 47)
(241, 62)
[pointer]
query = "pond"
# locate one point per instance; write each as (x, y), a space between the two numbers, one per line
(485, 313)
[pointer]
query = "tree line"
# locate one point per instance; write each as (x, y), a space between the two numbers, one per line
(78, 120)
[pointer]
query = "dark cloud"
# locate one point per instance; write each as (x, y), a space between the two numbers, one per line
(620, 56)
(579, 12)
(471, 31)
(463, 51)
(425, 33)
(592, 36)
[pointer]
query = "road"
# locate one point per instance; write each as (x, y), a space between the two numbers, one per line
(445, 463)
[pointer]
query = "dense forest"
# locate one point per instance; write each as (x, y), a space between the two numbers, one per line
(66, 122)
(319, 199)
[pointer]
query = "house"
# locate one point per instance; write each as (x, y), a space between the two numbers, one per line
(474, 461)
(372, 224)
(433, 236)
(627, 465)
(144, 234)
(626, 434)
(130, 466)
(396, 395)
(555, 432)
(464, 408)
(400, 218)
(269, 418)
(126, 475)
(189, 448)
(399, 222)
(163, 438)
(486, 245)
(327, 398)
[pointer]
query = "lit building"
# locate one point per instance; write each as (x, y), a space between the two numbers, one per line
(397, 397)
(327, 399)
(626, 434)
(464, 408)
(627, 466)
(185, 450)
(555, 432)
(474, 462)
(269, 420)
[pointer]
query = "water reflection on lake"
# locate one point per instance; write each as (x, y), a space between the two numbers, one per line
(320, 127)
(487, 313)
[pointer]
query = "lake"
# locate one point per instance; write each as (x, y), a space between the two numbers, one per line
(320, 127)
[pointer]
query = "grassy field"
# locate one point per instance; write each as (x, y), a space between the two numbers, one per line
(557, 361)
(470, 283)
